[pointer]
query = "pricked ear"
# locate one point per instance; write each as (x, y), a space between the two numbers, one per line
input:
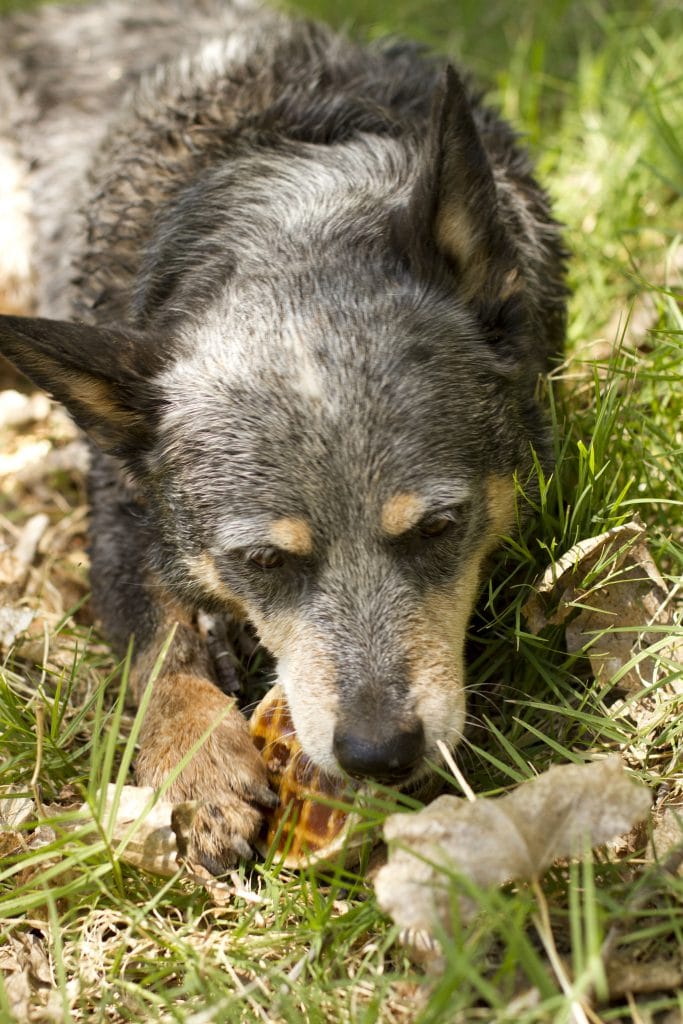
(456, 201)
(466, 225)
(94, 372)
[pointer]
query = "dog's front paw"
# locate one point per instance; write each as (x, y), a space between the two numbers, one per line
(218, 836)
(226, 776)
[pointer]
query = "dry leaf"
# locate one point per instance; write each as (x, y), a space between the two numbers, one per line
(667, 834)
(13, 622)
(144, 824)
(15, 566)
(629, 975)
(11, 843)
(73, 457)
(610, 594)
(490, 842)
(15, 563)
(15, 809)
(18, 409)
(27, 975)
(45, 582)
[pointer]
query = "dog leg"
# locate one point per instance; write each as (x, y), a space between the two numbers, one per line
(187, 709)
(226, 774)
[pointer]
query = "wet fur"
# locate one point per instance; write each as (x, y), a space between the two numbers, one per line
(315, 285)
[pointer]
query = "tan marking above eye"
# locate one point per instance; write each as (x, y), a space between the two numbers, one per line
(401, 513)
(292, 535)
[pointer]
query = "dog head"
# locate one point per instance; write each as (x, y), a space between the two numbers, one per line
(324, 411)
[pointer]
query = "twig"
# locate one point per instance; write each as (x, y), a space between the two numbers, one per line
(29, 539)
(633, 1007)
(296, 971)
(455, 771)
(545, 933)
(239, 889)
(40, 731)
(40, 726)
(649, 976)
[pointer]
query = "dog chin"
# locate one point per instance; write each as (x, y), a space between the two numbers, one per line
(423, 783)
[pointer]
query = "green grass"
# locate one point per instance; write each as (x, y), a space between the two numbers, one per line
(598, 91)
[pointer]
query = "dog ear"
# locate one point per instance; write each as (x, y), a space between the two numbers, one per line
(466, 224)
(456, 199)
(94, 372)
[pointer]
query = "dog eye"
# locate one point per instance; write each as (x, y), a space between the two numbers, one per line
(434, 526)
(266, 558)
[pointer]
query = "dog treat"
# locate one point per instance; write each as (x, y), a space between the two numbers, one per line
(305, 827)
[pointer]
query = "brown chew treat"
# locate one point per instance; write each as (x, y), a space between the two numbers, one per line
(308, 830)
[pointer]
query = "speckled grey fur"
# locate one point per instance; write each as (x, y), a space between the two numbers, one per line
(331, 278)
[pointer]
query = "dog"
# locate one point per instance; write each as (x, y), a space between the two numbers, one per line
(298, 292)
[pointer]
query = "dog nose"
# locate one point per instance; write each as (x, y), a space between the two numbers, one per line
(390, 759)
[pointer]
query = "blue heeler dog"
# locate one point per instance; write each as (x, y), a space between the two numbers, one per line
(298, 293)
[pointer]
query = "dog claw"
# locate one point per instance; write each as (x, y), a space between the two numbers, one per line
(242, 848)
(220, 835)
(264, 796)
(219, 864)
(214, 865)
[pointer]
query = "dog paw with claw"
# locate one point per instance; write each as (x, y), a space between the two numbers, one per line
(225, 775)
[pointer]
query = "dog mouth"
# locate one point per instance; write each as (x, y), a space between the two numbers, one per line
(275, 737)
(405, 760)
